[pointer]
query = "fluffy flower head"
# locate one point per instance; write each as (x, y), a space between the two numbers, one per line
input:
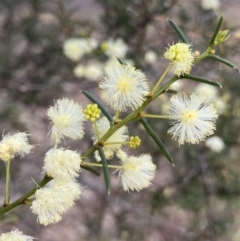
(215, 143)
(62, 164)
(136, 172)
(181, 56)
(76, 48)
(17, 144)
(51, 202)
(121, 135)
(115, 48)
(15, 235)
(192, 119)
(123, 87)
(67, 118)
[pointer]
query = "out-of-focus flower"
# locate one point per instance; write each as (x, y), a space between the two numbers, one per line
(192, 119)
(121, 135)
(92, 71)
(211, 92)
(215, 143)
(210, 4)
(182, 58)
(111, 61)
(177, 85)
(136, 172)
(46, 19)
(52, 201)
(150, 57)
(79, 71)
(76, 48)
(15, 235)
(115, 48)
(13, 145)
(92, 43)
(123, 87)
(208, 91)
(220, 105)
(67, 118)
(236, 34)
(62, 164)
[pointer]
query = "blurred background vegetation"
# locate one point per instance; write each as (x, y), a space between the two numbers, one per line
(199, 198)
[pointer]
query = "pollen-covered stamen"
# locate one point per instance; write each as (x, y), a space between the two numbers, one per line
(61, 121)
(181, 57)
(189, 116)
(124, 84)
(134, 142)
(131, 167)
(92, 112)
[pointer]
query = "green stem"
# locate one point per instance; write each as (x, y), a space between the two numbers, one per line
(100, 165)
(203, 55)
(161, 78)
(115, 143)
(117, 115)
(155, 116)
(7, 184)
(165, 86)
(22, 199)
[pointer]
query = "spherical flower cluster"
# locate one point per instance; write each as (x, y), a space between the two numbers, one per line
(123, 87)
(92, 112)
(215, 143)
(76, 48)
(67, 118)
(13, 145)
(134, 141)
(115, 48)
(192, 119)
(181, 56)
(136, 172)
(15, 235)
(62, 164)
(121, 135)
(52, 201)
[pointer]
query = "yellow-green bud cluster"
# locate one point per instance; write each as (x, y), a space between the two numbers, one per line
(222, 36)
(134, 142)
(92, 112)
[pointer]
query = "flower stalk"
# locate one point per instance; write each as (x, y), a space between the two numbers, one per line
(161, 78)
(7, 184)
(99, 165)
